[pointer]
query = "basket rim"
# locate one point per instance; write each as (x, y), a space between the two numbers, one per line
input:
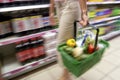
(74, 61)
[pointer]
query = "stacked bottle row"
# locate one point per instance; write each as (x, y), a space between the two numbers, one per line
(13, 3)
(22, 21)
(30, 50)
(36, 48)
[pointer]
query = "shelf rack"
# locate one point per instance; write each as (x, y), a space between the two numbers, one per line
(107, 2)
(31, 66)
(7, 9)
(105, 19)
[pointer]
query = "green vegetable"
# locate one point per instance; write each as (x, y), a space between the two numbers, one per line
(69, 50)
(81, 57)
(64, 47)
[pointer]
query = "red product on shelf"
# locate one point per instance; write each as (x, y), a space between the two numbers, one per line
(23, 52)
(37, 47)
(34, 48)
(27, 50)
(20, 52)
(41, 49)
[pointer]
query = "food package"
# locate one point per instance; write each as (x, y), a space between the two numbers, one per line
(51, 52)
(49, 37)
(20, 24)
(50, 45)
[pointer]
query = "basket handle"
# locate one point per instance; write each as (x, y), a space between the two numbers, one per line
(93, 27)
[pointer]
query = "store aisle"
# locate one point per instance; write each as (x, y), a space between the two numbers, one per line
(107, 69)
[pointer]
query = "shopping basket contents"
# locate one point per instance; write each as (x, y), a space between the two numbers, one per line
(79, 55)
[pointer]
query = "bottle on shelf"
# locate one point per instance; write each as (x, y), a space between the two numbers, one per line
(24, 52)
(27, 50)
(5, 26)
(35, 20)
(20, 23)
(41, 48)
(38, 48)
(34, 49)
(20, 55)
(6, 3)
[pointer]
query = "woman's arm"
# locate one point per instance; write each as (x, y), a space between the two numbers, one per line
(84, 17)
(83, 6)
(51, 10)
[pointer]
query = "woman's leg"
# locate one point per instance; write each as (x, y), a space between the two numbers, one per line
(66, 31)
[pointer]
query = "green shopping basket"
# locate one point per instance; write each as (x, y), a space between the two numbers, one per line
(79, 67)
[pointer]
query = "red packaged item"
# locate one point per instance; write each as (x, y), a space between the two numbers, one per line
(34, 48)
(27, 50)
(41, 49)
(20, 52)
(37, 48)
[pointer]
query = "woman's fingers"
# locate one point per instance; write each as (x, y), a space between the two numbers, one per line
(83, 23)
(84, 20)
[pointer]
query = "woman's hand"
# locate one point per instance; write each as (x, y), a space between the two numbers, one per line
(52, 20)
(84, 20)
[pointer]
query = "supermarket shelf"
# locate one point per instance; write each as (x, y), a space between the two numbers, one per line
(107, 2)
(47, 5)
(23, 7)
(110, 35)
(29, 67)
(14, 39)
(105, 19)
(104, 24)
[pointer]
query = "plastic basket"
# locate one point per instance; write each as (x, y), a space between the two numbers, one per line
(79, 67)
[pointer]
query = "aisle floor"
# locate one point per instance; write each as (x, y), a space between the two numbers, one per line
(107, 69)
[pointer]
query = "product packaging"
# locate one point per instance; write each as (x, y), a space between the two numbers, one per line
(50, 45)
(51, 52)
(49, 37)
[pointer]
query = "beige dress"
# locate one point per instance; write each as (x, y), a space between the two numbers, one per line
(68, 12)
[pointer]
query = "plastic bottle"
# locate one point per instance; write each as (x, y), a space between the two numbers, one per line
(34, 48)
(5, 27)
(41, 48)
(21, 57)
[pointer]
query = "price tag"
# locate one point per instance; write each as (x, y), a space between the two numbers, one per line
(42, 62)
(29, 67)
(7, 74)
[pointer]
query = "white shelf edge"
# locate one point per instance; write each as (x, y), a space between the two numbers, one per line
(23, 7)
(30, 67)
(103, 24)
(107, 2)
(105, 19)
(109, 35)
(7, 9)
(15, 39)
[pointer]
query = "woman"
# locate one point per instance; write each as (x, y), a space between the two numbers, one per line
(67, 11)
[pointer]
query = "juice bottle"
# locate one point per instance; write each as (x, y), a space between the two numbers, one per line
(28, 50)
(34, 48)
(5, 27)
(21, 57)
(40, 46)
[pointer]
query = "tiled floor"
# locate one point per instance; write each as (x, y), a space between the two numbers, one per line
(107, 69)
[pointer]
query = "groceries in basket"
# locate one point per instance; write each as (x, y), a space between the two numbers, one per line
(83, 52)
(80, 52)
